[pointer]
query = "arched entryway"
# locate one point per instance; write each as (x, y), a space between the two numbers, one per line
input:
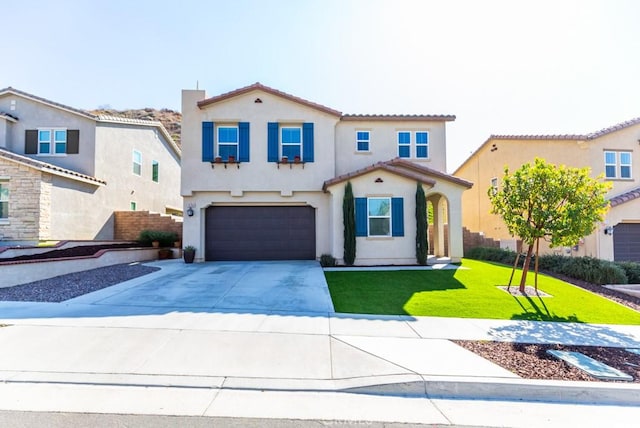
(438, 217)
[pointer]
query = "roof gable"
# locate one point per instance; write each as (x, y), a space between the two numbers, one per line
(10, 90)
(260, 87)
(402, 168)
(625, 197)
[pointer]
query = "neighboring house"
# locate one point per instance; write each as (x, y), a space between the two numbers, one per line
(247, 203)
(64, 171)
(612, 152)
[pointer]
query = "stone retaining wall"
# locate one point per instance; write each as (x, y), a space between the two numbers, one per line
(129, 224)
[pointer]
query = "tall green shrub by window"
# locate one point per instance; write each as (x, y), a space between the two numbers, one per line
(349, 220)
(422, 245)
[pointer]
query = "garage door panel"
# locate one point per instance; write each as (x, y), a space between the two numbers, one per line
(626, 242)
(260, 233)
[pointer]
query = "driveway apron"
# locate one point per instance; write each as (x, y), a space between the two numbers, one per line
(278, 286)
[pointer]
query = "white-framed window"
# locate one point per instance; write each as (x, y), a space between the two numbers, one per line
(379, 216)
(52, 141)
(404, 144)
(422, 144)
(137, 162)
(4, 200)
(227, 142)
(155, 171)
(494, 185)
(617, 164)
(291, 137)
(363, 141)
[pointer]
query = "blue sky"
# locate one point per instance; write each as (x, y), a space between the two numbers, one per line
(501, 67)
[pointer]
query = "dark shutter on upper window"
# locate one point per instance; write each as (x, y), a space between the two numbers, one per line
(73, 141)
(307, 142)
(397, 217)
(243, 150)
(31, 142)
(207, 141)
(272, 142)
(361, 217)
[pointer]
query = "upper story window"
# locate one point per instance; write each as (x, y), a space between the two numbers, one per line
(137, 162)
(362, 141)
(404, 144)
(422, 144)
(291, 138)
(617, 165)
(52, 141)
(4, 200)
(420, 139)
(155, 171)
(228, 142)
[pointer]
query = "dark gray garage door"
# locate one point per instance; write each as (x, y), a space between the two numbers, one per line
(260, 233)
(626, 242)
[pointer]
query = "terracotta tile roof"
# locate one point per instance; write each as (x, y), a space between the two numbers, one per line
(50, 168)
(590, 136)
(11, 90)
(7, 116)
(403, 168)
(625, 197)
(399, 117)
(260, 87)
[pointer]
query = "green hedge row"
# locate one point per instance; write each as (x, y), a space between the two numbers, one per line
(588, 269)
(166, 239)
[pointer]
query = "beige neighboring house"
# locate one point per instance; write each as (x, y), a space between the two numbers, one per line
(244, 201)
(612, 152)
(64, 171)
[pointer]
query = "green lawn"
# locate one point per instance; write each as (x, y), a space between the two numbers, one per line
(469, 293)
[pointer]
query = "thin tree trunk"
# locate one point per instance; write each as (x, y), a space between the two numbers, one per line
(537, 256)
(525, 268)
(513, 271)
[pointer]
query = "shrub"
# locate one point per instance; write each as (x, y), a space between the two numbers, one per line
(327, 260)
(492, 254)
(632, 269)
(166, 239)
(593, 270)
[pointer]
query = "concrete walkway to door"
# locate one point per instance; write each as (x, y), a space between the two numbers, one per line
(263, 287)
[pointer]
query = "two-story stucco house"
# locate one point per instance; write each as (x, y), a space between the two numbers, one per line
(264, 174)
(64, 171)
(612, 152)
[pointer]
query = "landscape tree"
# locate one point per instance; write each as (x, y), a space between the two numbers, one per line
(544, 201)
(422, 246)
(349, 221)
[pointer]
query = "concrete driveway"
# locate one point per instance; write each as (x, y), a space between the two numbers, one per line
(288, 286)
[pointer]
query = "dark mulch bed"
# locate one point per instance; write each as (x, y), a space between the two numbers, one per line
(65, 287)
(531, 361)
(87, 250)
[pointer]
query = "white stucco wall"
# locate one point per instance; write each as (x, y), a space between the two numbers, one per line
(384, 143)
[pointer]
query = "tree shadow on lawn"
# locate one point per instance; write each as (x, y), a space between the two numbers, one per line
(368, 292)
(540, 312)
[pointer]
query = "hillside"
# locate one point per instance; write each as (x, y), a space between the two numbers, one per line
(171, 120)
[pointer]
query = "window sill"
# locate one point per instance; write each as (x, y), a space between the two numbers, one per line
(4, 222)
(619, 179)
(363, 152)
(52, 155)
(379, 238)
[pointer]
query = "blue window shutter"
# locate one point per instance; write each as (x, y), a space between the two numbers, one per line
(361, 217)
(272, 142)
(307, 142)
(243, 150)
(207, 141)
(397, 217)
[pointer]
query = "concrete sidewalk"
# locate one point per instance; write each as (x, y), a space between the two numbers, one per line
(107, 354)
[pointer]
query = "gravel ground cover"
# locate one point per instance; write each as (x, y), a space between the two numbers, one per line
(86, 250)
(65, 287)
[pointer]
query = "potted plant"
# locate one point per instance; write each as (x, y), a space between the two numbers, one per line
(285, 159)
(189, 253)
(232, 159)
(296, 159)
(218, 159)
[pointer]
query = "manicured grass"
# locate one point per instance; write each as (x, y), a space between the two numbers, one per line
(469, 293)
